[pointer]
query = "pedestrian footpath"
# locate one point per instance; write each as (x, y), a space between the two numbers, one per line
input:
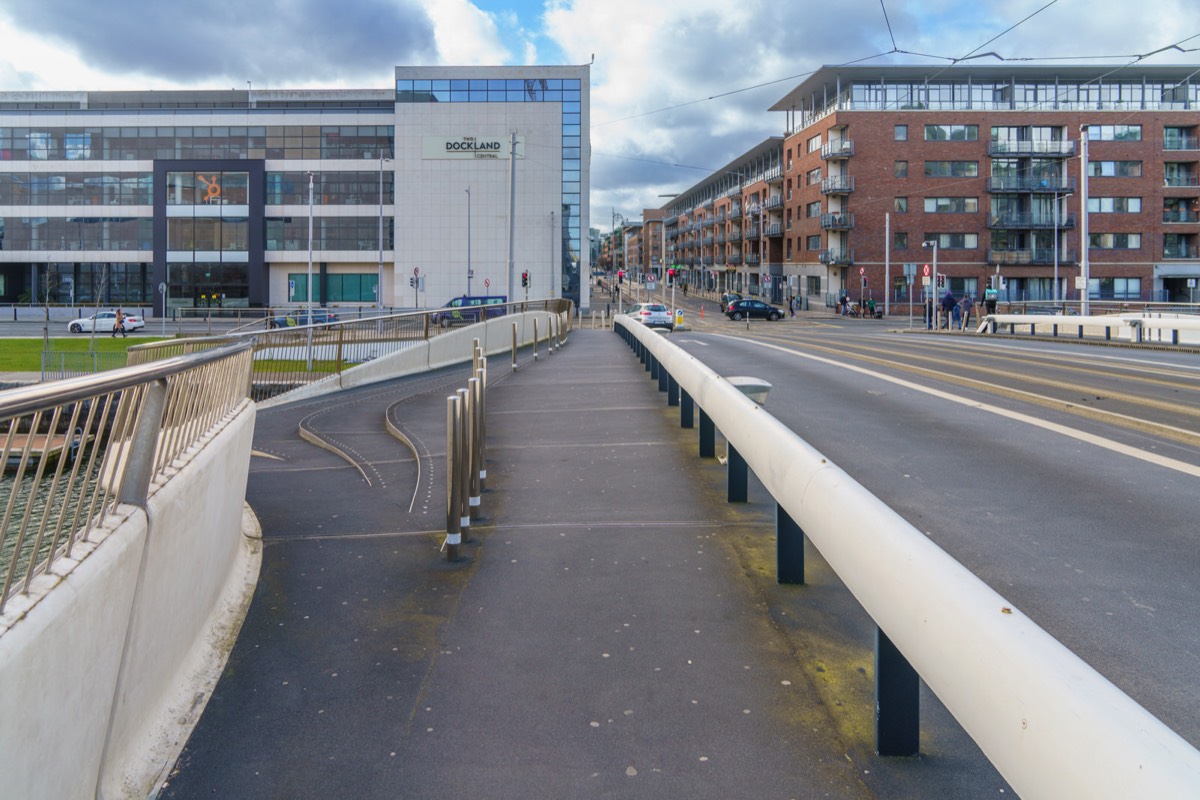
(603, 635)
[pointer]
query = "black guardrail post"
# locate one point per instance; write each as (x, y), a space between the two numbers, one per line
(708, 436)
(664, 381)
(789, 548)
(687, 409)
(672, 390)
(897, 701)
(737, 475)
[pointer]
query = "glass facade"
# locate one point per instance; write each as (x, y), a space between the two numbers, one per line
(568, 93)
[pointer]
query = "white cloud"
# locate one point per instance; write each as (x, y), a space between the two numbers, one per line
(465, 35)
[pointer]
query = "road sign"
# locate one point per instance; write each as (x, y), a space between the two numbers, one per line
(416, 271)
(487, 282)
(926, 270)
(862, 270)
(766, 280)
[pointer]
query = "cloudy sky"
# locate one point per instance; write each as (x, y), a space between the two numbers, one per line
(679, 87)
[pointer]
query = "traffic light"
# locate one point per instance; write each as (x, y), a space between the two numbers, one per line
(525, 279)
(671, 276)
(412, 281)
(621, 276)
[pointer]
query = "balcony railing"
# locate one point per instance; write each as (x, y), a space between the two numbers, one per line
(839, 184)
(708, 241)
(720, 238)
(735, 259)
(1181, 251)
(1028, 219)
(836, 257)
(751, 259)
(736, 236)
(751, 231)
(841, 220)
(1180, 215)
(1012, 183)
(1041, 255)
(1031, 148)
(1182, 143)
(775, 202)
(1186, 181)
(735, 213)
(774, 230)
(838, 148)
(707, 222)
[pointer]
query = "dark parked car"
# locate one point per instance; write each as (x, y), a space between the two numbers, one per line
(756, 309)
(319, 317)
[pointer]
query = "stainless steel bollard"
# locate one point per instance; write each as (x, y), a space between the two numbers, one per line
(535, 339)
(473, 462)
(514, 347)
(481, 416)
(464, 461)
(453, 485)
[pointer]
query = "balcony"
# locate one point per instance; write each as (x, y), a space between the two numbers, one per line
(773, 174)
(1180, 250)
(736, 236)
(836, 257)
(1013, 183)
(1176, 215)
(751, 259)
(775, 202)
(1061, 149)
(1041, 255)
(839, 221)
(1181, 143)
(720, 238)
(707, 241)
(720, 259)
(707, 222)
(708, 261)
(838, 184)
(735, 213)
(735, 259)
(1181, 181)
(838, 148)
(774, 230)
(1028, 219)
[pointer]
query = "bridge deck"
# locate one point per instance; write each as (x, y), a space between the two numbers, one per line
(609, 632)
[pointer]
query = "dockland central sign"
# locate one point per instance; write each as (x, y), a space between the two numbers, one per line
(436, 147)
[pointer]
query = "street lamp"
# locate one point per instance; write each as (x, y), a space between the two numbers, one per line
(379, 278)
(469, 275)
(310, 256)
(932, 243)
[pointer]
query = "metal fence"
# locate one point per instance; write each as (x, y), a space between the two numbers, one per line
(287, 358)
(75, 449)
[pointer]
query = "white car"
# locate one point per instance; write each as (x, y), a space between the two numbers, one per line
(104, 321)
(653, 315)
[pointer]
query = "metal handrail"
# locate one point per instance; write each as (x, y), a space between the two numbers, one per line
(73, 450)
(1078, 735)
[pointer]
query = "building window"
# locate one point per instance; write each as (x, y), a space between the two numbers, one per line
(813, 209)
(814, 144)
(951, 169)
(1115, 241)
(901, 133)
(900, 169)
(1115, 169)
(954, 241)
(899, 241)
(951, 205)
(813, 242)
(1115, 288)
(1114, 133)
(1115, 205)
(900, 205)
(951, 133)
(812, 176)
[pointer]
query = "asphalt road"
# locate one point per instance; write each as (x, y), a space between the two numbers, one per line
(1063, 475)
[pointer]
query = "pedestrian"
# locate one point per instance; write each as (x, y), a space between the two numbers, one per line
(948, 306)
(871, 308)
(845, 304)
(791, 306)
(990, 296)
(119, 324)
(968, 305)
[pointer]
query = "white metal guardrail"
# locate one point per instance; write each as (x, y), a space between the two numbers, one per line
(1052, 725)
(1137, 328)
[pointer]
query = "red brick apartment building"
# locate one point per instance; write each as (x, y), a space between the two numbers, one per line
(881, 162)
